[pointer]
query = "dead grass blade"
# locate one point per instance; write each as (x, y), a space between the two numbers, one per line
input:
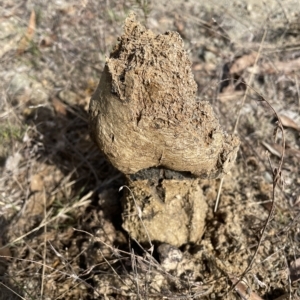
(83, 201)
(286, 67)
(288, 122)
(244, 62)
(27, 38)
(276, 172)
(45, 244)
(271, 149)
(250, 82)
(240, 110)
(11, 290)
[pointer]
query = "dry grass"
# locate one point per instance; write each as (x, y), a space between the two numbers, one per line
(60, 212)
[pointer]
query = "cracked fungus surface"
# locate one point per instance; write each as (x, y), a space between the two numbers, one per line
(145, 114)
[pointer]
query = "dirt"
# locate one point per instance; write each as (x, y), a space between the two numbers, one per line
(61, 231)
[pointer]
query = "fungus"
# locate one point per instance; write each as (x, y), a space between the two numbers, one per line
(145, 118)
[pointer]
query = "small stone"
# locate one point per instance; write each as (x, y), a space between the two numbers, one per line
(169, 256)
(24, 88)
(36, 183)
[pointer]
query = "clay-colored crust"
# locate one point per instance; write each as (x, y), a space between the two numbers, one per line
(145, 114)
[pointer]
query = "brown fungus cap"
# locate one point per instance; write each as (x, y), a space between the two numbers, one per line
(144, 112)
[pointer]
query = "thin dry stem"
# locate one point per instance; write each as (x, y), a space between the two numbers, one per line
(250, 82)
(276, 172)
(45, 243)
(7, 287)
(82, 202)
(138, 210)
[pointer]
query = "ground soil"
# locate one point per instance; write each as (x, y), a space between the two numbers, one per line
(61, 234)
